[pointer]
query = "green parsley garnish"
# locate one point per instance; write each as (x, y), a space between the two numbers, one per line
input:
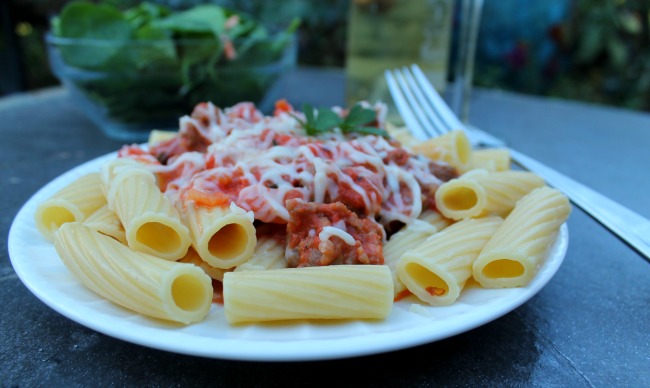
(326, 120)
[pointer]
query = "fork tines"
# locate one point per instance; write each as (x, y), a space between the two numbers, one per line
(422, 108)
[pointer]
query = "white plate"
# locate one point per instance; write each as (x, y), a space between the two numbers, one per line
(39, 267)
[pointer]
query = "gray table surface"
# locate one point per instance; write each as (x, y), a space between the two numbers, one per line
(588, 327)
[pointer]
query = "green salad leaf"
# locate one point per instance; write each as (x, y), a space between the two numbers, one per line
(145, 13)
(200, 19)
(149, 62)
(82, 19)
(89, 21)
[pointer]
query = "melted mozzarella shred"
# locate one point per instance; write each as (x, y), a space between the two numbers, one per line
(329, 231)
(276, 160)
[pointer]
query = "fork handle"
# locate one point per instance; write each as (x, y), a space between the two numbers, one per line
(626, 224)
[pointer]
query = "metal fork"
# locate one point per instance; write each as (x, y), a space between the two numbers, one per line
(427, 115)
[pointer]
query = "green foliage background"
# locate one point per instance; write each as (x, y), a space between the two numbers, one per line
(608, 45)
(601, 51)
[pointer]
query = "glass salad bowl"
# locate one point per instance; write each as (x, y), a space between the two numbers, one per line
(150, 66)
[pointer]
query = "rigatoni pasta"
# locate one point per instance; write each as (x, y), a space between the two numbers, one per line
(152, 224)
(434, 218)
(107, 222)
(157, 136)
(193, 258)
(461, 198)
(142, 283)
(505, 188)
(438, 268)
(401, 134)
(491, 159)
(223, 236)
(330, 292)
(514, 253)
(453, 147)
(412, 235)
(269, 254)
(480, 192)
(75, 202)
(122, 168)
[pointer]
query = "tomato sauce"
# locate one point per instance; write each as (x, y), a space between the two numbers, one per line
(305, 247)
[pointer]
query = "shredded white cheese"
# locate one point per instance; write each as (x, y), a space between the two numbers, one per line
(276, 161)
(329, 231)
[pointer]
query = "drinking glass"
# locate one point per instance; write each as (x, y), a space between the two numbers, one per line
(469, 16)
(438, 35)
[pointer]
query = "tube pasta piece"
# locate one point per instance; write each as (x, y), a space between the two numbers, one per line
(111, 168)
(152, 223)
(156, 136)
(461, 198)
(513, 255)
(479, 193)
(112, 174)
(437, 269)
(413, 234)
(410, 236)
(491, 159)
(436, 219)
(401, 134)
(269, 254)
(474, 173)
(193, 258)
(107, 222)
(453, 148)
(223, 236)
(74, 202)
(505, 188)
(140, 282)
(329, 292)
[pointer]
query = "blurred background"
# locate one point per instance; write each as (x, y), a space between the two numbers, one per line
(588, 50)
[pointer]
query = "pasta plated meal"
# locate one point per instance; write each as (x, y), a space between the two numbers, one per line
(240, 219)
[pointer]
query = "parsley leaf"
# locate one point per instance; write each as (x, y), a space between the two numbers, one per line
(322, 121)
(358, 119)
(326, 120)
(359, 115)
